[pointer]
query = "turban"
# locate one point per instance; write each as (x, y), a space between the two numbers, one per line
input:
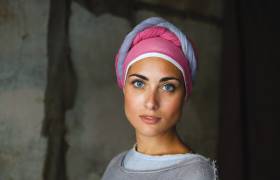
(156, 37)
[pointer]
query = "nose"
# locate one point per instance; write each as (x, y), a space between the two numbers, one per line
(152, 100)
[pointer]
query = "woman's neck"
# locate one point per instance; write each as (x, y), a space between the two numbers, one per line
(167, 143)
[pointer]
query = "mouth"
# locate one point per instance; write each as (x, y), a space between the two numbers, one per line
(150, 119)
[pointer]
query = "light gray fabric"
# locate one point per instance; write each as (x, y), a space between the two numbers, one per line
(196, 167)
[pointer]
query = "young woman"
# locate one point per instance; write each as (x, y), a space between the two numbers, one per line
(155, 67)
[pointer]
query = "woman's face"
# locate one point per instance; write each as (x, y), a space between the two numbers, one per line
(154, 94)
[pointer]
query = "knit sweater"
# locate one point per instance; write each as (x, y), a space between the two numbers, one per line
(195, 167)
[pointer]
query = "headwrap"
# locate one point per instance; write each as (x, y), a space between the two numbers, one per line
(156, 37)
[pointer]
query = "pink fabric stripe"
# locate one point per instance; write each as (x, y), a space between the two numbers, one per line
(160, 40)
(163, 46)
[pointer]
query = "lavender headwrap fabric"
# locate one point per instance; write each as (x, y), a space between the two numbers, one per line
(184, 44)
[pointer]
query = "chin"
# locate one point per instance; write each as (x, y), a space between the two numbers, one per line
(148, 131)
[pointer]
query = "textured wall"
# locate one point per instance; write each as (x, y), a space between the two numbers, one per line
(23, 66)
(97, 127)
(204, 7)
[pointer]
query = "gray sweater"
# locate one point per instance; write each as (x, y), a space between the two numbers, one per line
(197, 167)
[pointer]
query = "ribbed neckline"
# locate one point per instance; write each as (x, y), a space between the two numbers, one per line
(157, 157)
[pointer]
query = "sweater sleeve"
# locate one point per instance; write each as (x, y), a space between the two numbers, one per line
(200, 170)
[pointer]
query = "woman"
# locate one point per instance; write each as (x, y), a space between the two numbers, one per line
(155, 67)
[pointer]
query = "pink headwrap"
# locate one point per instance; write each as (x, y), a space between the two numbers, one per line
(155, 41)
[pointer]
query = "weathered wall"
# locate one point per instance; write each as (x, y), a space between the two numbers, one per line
(202, 7)
(23, 65)
(97, 127)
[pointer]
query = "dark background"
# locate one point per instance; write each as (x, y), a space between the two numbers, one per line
(248, 147)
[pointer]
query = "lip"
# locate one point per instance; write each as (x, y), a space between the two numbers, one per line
(149, 119)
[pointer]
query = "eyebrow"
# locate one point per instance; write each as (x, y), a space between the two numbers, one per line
(168, 78)
(139, 76)
(161, 80)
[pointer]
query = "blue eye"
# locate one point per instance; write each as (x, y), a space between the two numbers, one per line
(169, 87)
(138, 84)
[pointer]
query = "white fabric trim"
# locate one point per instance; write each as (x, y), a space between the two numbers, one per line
(156, 54)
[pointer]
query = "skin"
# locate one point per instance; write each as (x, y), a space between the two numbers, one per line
(155, 87)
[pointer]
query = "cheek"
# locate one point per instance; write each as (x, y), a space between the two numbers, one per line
(172, 108)
(132, 103)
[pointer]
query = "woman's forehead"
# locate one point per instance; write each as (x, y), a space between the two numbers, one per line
(155, 66)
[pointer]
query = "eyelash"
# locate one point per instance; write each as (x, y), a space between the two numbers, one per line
(164, 85)
(169, 84)
(133, 83)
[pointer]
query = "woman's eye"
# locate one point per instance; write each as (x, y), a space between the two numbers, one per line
(138, 84)
(168, 87)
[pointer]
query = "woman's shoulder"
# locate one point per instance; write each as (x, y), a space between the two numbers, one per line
(116, 159)
(199, 167)
(113, 165)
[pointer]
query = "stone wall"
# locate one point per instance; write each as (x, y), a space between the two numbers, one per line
(23, 67)
(97, 126)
